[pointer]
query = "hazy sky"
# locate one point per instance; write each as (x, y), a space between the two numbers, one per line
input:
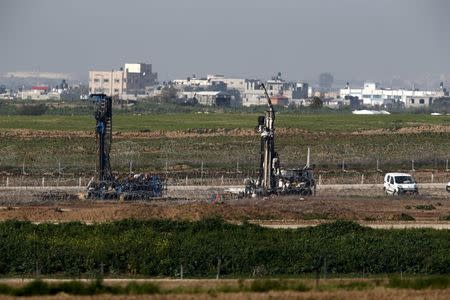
(255, 38)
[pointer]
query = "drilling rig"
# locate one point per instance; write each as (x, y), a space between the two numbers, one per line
(272, 179)
(103, 134)
(105, 185)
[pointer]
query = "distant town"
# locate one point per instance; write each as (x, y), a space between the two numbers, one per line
(137, 82)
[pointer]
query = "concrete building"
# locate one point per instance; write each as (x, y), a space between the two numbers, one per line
(372, 95)
(254, 95)
(133, 79)
(245, 92)
(279, 100)
(209, 98)
(39, 93)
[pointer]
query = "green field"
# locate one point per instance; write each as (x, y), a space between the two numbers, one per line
(312, 123)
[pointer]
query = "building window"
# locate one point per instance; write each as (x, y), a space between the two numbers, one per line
(116, 80)
(116, 90)
(422, 101)
(105, 80)
(412, 101)
(96, 80)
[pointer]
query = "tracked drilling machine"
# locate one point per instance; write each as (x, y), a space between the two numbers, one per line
(105, 185)
(272, 179)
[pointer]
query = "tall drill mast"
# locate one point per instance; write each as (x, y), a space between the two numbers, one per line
(103, 131)
(266, 128)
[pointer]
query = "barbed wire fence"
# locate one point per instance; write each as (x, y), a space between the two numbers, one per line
(60, 172)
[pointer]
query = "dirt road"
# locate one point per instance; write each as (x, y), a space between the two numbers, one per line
(281, 211)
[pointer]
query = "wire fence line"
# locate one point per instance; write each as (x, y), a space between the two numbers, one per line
(207, 178)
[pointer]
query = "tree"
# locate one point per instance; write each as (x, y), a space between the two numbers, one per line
(316, 103)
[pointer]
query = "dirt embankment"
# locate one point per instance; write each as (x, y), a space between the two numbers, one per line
(205, 132)
(289, 209)
(413, 129)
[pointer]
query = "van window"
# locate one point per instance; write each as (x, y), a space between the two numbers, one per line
(392, 180)
(388, 178)
(403, 179)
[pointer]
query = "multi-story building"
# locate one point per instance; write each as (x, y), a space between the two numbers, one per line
(372, 95)
(246, 92)
(133, 79)
(209, 98)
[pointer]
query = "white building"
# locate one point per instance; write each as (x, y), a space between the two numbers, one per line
(372, 95)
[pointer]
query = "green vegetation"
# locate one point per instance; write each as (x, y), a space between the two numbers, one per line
(96, 287)
(420, 283)
(188, 121)
(38, 288)
(160, 247)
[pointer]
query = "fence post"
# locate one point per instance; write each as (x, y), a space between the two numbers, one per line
(201, 174)
(221, 179)
(43, 181)
(432, 178)
(219, 261)
(446, 166)
(320, 179)
(186, 179)
(412, 166)
(308, 157)
(378, 165)
(7, 181)
(362, 178)
(79, 181)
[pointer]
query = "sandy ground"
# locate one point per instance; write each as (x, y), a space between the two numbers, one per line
(292, 210)
(371, 293)
(376, 294)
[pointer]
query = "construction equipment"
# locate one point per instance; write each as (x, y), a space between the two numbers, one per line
(107, 186)
(103, 134)
(272, 179)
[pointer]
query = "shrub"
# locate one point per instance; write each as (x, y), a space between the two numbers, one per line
(425, 207)
(355, 285)
(403, 217)
(265, 285)
(142, 289)
(445, 218)
(32, 110)
(434, 282)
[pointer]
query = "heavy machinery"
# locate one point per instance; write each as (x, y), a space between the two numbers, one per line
(105, 185)
(272, 179)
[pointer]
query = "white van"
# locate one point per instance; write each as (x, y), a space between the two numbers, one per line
(448, 187)
(399, 184)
